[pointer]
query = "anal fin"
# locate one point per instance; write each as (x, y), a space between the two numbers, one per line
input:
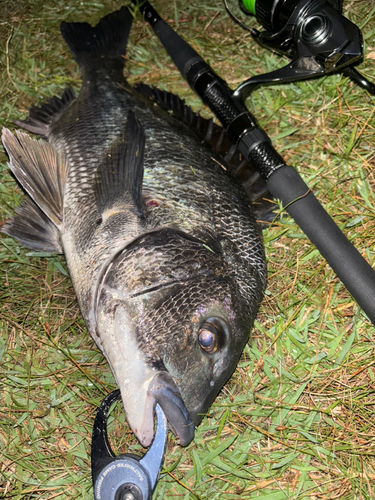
(41, 117)
(33, 229)
(118, 179)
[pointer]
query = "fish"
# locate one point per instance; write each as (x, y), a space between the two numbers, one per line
(162, 243)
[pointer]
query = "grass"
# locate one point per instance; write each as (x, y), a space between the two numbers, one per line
(296, 420)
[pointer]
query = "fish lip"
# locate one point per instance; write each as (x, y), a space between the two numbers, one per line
(142, 383)
(165, 392)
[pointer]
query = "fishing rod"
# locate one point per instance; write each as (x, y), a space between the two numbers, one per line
(282, 181)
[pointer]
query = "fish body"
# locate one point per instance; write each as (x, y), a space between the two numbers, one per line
(161, 243)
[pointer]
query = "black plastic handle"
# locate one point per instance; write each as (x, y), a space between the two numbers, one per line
(349, 265)
(101, 451)
(126, 476)
(283, 181)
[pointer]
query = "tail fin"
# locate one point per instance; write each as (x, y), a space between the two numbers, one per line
(107, 39)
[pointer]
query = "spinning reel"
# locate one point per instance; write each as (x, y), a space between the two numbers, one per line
(312, 33)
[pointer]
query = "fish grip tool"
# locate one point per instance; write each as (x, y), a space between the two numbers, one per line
(126, 476)
(282, 181)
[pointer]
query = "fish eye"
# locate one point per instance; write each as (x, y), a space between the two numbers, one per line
(211, 335)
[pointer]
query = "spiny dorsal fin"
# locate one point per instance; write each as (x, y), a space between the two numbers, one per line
(40, 118)
(33, 229)
(118, 180)
(40, 170)
(216, 137)
(210, 133)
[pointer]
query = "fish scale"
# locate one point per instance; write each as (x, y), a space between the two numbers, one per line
(161, 241)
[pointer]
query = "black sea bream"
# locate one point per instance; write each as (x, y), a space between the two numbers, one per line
(161, 242)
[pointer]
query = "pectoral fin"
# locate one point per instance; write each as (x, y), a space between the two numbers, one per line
(118, 180)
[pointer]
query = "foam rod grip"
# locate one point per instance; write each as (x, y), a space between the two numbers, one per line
(352, 269)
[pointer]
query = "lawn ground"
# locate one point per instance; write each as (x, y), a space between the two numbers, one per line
(296, 420)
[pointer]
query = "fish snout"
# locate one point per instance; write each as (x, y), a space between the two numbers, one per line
(142, 385)
(165, 392)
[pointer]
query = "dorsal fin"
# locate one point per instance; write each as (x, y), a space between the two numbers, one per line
(40, 170)
(40, 118)
(216, 137)
(118, 180)
(210, 133)
(33, 229)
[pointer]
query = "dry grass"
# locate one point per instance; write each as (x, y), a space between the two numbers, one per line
(296, 419)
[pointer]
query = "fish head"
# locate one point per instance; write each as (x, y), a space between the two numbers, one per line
(172, 328)
(207, 336)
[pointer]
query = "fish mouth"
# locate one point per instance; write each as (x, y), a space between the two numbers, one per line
(164, 391)
(142, 384)
(161, 390)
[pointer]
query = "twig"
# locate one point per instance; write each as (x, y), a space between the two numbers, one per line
(7, 57)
